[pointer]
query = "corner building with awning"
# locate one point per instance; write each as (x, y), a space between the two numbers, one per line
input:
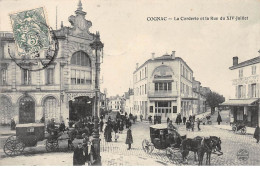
(246, 84)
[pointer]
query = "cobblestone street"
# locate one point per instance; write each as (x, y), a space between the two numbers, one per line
(116, 153)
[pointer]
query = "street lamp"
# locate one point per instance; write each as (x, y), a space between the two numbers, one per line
(97, 45)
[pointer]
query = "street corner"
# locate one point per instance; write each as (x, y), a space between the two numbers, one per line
(129, 160)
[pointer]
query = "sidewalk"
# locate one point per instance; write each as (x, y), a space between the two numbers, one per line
(249, 130)
(6, 131)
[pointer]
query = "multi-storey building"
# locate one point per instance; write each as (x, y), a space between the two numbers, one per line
(116, 103)
(199, 95)
(246, 85)
(163, 86)
(65, 89)
(129, 97)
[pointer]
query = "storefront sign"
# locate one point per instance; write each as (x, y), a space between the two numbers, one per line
(246, 80)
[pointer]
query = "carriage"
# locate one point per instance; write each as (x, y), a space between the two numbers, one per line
(160, 139)
(27, 135)
(239, 126)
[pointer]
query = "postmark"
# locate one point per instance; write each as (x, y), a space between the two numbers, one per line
(35, 42)
(242, 155)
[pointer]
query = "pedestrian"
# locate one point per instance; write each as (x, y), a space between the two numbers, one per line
(219, 119)
(13, 124)
(108, 132)
(168, 120)
(78, 157)
(257, 133)
(85, 146)
(121, 126)
(42, 120)
(129, 138)
(62, 127)
(141, 118)
(115, 128)
(101, 124)
(198, 124)
(184, 120)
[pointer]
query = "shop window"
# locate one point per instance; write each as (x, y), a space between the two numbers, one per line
(174, 109)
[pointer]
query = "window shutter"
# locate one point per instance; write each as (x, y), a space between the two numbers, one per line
(236, 91)
(257, 90)
(249, 93)
(244, 91)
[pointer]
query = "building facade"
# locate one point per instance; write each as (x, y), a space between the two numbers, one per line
(65, 89)
(163, 86)
(116, 103)
(199, 95)
(245, 81)
(129, 97)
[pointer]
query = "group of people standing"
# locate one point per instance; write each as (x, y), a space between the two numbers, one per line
(117, 126)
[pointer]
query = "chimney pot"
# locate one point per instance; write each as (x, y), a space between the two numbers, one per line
(137, 65)
(153, 54)
(235, 61)
(173, 54)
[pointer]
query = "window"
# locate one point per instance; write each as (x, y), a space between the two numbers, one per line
(151, 109)
(181, 70)
(80, 77)
(156, 86)
(80, 58)
(174, 109)
(163, 107)
(26, 77)
(240, 91)
(145, 72)
(3, 76)
(140, 75)
(253, 70)
(253, 88)
(145, 88)
(240, 73)
(50, 76)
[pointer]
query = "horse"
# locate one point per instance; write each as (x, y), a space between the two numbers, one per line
(216, 145)
(206, 146)
(189, 144)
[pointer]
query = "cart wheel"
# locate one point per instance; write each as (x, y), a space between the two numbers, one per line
(243, 130)
(147, 146)
(13, 137)
(234, 128)
(52, 145)
(13, 147)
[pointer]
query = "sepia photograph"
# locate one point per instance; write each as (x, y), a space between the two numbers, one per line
(129, 83)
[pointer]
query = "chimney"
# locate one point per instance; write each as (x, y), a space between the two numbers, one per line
(235, 61)
(137, 65)
(61, 25)
(153, 54)
(173, 54)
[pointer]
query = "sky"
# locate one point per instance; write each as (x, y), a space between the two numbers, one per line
(207, 46)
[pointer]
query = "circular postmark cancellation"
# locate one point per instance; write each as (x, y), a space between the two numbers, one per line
(242, 155)
(36, 43)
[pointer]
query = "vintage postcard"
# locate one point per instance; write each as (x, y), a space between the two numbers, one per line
(130, 83)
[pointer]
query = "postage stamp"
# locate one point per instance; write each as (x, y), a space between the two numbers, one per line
(31, 32)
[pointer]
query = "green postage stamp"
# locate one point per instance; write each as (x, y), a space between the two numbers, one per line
(31, 32)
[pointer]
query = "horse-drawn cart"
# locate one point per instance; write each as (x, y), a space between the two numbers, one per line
(27, 135)
(239, 127)
(162, 140)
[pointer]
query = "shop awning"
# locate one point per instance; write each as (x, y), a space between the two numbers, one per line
(240, 102)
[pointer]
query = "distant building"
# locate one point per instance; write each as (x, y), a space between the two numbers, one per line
(163, 86)
(116, 103)
(129, 103)
(246, 82)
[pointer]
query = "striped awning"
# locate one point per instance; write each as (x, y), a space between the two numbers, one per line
(240, 102)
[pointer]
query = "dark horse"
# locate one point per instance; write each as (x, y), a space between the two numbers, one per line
(200, 146)
(206, 146)
(190, 145)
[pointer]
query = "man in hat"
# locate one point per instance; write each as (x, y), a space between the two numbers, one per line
(78, 157)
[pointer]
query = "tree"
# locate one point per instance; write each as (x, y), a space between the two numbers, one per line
(213, 99)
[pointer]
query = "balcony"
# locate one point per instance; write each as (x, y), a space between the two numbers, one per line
(162, 94)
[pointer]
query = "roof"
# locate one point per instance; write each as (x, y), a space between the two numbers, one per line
(30, 125)
(159, 126)
(164, 57)
(239, 102)
(246, 63)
